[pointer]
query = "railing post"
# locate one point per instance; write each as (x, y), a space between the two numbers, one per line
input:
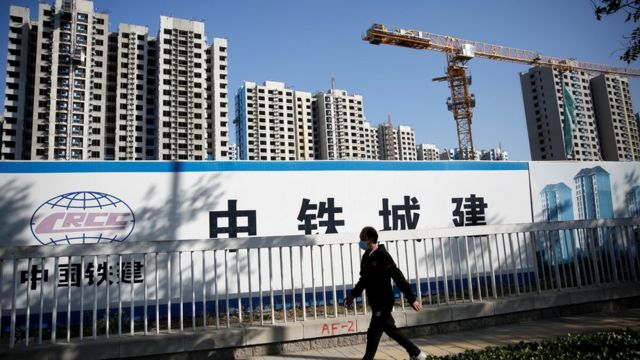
(460, 267)
(144, 279)
(40, 315)
(344, 282)
(313, 283)
(353, 278)
(493, 272)
(515, 266)
(303, 298)
(284, 298)
(575, 257)
(26, 338)
(453, 270)
(14, 294)
(506, 264)
(132, 300)
(435, 270)
(469, 280)
(333, 283)
(226, 277)
(54, 312)
(444, 273)
(534, 257)
(625, 272)
(614, 258)
(239, 290)
(271, 299)
(157, 294)
(526, 285)
(397, 246)
(629, 251)
(293, 286)
(426, 262)
(484, 266)
(204, 291)
(596, 269)
(69, 298)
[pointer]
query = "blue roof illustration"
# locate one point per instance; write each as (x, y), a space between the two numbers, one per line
(555, 188)
(591, 171)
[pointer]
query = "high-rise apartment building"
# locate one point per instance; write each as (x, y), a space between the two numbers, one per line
(182, 90)
(274, 122)
(218, 100)
(370, 141)
(406, 143)
(428, 152)
(19, 85)
(131, 93)
(76, 91)
(69, 94)
(387, 142)
(617, 125)
(603, 128)
(340, 120)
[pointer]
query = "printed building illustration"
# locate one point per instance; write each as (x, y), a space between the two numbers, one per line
(556, 202)
(593, 194)
(558, 206)
(633, 201)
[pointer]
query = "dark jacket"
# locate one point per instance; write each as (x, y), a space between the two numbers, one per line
(376, 272)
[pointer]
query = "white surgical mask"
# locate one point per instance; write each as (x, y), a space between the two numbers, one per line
(364, 245)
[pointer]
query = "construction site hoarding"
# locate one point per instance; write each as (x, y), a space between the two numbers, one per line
(86, 202)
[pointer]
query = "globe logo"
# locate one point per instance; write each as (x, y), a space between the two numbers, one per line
(82, 217)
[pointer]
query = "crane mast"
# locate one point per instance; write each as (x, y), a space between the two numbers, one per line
(459, 52)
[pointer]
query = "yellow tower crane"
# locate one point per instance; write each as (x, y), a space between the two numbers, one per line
(459, 52)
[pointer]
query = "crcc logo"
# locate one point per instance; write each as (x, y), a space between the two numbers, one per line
(82, 217)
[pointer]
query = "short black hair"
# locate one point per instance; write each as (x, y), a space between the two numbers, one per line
(369, 233)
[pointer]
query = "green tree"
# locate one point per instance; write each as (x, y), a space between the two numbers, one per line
(632, 9)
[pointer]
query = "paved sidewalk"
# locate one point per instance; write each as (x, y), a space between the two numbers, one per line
(454, 343)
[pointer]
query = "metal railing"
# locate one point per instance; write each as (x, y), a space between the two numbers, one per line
(65, 292)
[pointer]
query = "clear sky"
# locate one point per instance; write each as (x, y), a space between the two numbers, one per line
(303, 43)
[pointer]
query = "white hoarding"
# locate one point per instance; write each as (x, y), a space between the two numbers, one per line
(584, 190)
(76, 202)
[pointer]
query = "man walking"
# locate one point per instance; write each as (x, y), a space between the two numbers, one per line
(376, 271)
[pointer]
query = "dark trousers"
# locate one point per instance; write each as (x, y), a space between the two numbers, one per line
(383, 321)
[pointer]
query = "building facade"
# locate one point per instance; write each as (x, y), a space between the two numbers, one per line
(68, 95)
(218, 100)
(340, 122)
(18, 116)
(370, 141)
(604, 127)
(274, 122)
(617, 125)
(428, 152)
(406, 143)
(182, 95)
(131, 93)
(496, 154)
(76, 91)
(388, 148)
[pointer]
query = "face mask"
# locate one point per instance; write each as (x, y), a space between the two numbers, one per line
(364, 245)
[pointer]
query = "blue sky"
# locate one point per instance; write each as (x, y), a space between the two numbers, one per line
(303, 43)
